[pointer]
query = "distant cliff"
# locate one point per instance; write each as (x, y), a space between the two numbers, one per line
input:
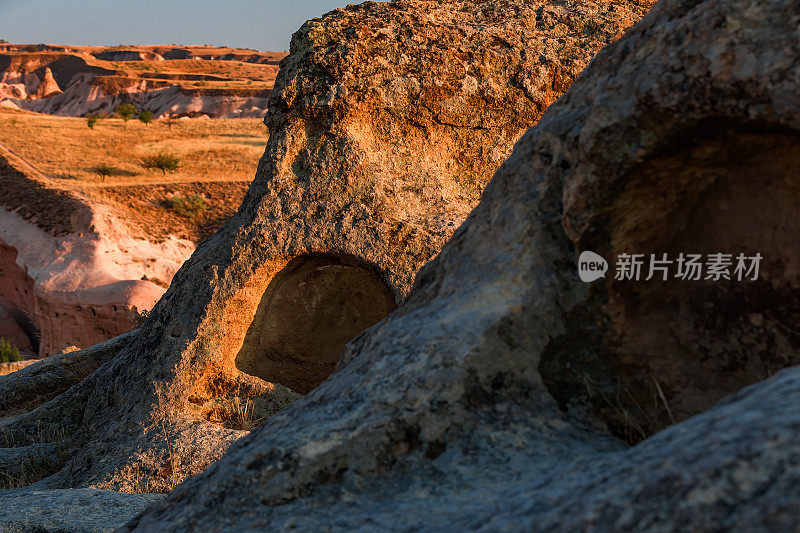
(78, 81)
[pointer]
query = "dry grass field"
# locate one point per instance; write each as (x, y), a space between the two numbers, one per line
(218, 159)
(236, 70)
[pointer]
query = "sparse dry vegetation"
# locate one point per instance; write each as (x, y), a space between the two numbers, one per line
(103, 170)
(218, 159)
(188, 207)
(63, 147)
(125, 112)
(146, 117)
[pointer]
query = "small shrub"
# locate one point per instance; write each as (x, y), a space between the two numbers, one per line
(188, 207)
(125, 111)
(103, 170)
(8, 352)
(91, 120)
(139, 317)
(146, 117)
(164, 162)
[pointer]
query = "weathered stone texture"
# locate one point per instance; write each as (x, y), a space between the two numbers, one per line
(443, 418)
(386, 122)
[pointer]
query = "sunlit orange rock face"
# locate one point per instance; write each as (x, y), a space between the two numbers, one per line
(504, 392)
(386, 123)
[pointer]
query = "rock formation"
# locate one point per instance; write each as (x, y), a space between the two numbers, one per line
(164, 99)
(14, 366)
(478, 404)
(48, 86)
(76, 83)
(386, 122)
(30, 69)
(83, 510)
(70, 270)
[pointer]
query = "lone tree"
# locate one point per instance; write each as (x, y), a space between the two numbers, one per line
(164, 162)
(125, 112)
(146, 117)
(91, 120)
(104, 170)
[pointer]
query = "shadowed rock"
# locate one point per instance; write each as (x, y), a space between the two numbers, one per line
(386, 121)
(309, 311)
(39, 381)
(681, 134)
(82, 510)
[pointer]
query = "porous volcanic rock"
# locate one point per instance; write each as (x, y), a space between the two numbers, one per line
(386, 121)
(83, 510)
(681, 136)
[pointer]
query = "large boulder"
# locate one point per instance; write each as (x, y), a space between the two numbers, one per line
(463, 410)
(386, 121)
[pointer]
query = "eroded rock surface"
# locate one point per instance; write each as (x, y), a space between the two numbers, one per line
(71, 270)
(680, 134)
(32, 383)
(76, 511)
(91, 83)
(387, 120)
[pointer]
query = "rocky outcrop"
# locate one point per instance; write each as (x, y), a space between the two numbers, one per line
(13, 90)
(35, 382)
(163, 98)
(177, 53)
(10, 368)
(386, 122)
(48, 86)
(85, 510)
(35, 81)
(30, 69)
(70, 270)
(459, 412)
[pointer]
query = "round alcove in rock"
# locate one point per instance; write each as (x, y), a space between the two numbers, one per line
(309, 311)
(649, 353)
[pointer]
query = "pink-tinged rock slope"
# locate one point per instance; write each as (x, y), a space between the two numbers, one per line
(75, 284)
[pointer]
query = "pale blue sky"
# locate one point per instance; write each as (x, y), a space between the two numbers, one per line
(260, 24)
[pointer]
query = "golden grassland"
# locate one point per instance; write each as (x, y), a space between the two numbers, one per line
(66, 149)
(218, 160)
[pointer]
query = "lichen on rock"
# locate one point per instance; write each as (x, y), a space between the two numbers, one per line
(386, 122)
(683, 133)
